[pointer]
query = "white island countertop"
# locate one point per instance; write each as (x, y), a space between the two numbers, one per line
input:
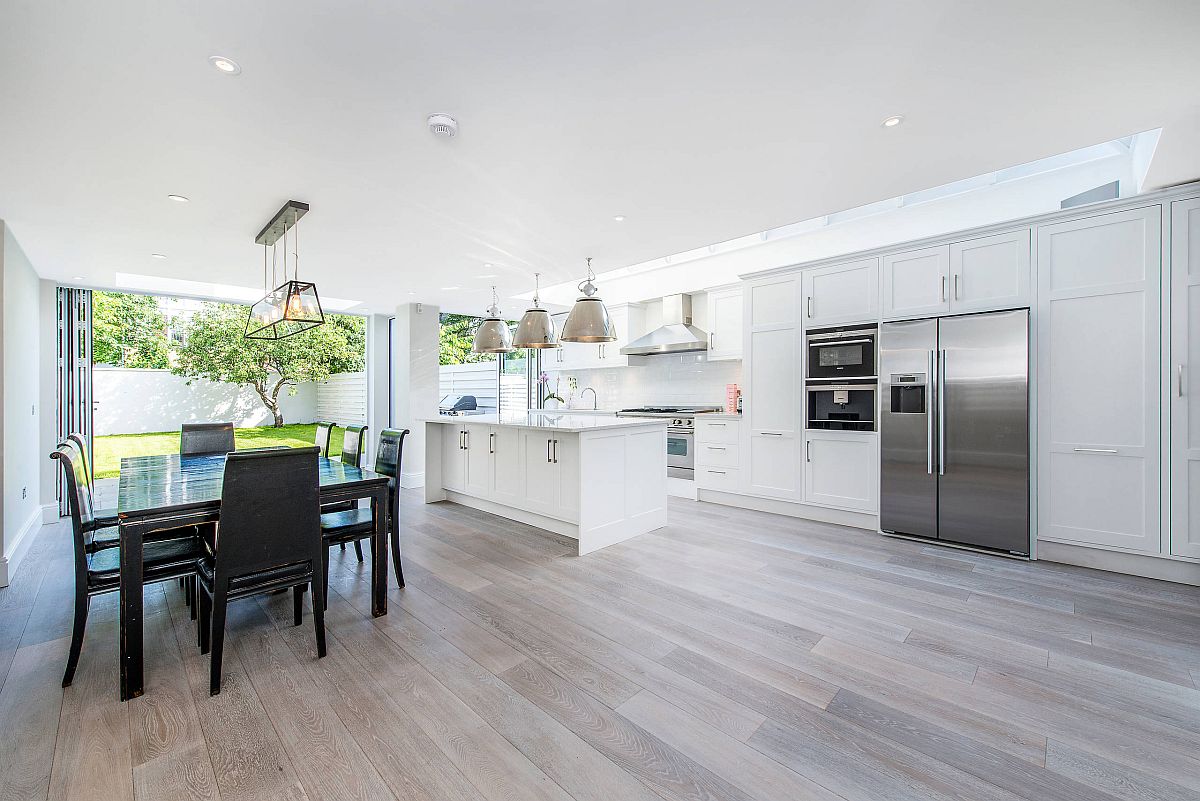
(550, 421)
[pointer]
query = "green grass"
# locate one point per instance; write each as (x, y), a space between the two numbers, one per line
(111, 449)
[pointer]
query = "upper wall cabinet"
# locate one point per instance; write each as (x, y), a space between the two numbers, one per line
(990, 273)
(1184, 366)
(917, 283)
(725, 324)
(841, 293)
(1098, 388)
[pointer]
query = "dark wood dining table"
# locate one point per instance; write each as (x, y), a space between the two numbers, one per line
(164, 492)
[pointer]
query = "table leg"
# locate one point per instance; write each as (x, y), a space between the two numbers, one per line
(131, 611)
(379, 558)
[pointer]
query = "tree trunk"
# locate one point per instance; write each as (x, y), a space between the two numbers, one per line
(271, 401)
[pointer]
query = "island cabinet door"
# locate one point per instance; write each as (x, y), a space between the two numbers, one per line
(507, 485)
(540, 476)
(564, 452)
(454, 458)
(479, 460)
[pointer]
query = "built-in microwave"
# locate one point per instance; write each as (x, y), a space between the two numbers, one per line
(838, 354)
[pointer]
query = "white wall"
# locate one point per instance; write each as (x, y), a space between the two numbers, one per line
(414, 382)
(141, 401)
(342, 399)
(20, 427)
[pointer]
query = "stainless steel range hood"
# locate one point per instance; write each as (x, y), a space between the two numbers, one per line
(675, 335)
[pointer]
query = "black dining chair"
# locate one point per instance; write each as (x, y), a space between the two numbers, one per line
(105, 516)
(353, 439)
(324, 436)
(98, 569)
(201, 439)
(356, 524)
(268, 539)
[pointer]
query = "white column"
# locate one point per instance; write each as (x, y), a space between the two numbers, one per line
(414, 382)
(378, 374)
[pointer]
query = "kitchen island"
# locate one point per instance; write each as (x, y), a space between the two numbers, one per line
(597, 479)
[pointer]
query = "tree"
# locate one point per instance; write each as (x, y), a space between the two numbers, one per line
(128, 331)
(456, 336)
(215, 348)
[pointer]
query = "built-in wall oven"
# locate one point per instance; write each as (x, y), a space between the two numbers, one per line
(841, 407)
(838, 354)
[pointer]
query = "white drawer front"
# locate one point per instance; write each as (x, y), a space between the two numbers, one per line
(713, 455)
(718, 478)
(721, 432)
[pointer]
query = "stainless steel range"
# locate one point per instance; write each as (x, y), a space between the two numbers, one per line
(681, 444)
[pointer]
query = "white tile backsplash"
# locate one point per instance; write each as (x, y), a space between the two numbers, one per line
(686, 378)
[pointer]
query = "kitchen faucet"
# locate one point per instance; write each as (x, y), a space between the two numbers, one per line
(595, 398)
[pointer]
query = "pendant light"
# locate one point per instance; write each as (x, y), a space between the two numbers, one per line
(588, 320)
(492, 335)
(536, 329)
(293, 306)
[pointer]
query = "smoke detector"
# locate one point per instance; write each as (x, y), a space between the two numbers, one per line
(443, 125)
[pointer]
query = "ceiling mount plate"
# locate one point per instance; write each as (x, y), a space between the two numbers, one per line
(284, 219)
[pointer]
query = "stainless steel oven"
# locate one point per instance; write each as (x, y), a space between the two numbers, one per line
(838, 354)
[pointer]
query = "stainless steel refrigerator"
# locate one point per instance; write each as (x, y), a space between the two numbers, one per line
(954, 429)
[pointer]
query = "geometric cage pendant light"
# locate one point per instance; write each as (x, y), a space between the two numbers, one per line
(588, 320)
(293, 306)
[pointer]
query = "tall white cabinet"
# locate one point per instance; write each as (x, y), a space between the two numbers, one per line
(1098, 380)
(1183, 364)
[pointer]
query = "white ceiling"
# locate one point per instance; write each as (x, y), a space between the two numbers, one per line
(699, 121)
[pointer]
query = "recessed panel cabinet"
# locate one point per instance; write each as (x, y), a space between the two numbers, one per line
(841, 470)
(1098, 380)
(990, 273)
(841, 293)
(1184, 378)
(917, 283)
(725, 324)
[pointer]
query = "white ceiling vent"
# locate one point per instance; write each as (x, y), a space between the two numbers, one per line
(443, 125)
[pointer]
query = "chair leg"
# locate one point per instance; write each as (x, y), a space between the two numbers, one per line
(81, 615)
(343, 546)
(190, 591)
(319, 602)
(298, 604)
(324, 578)
(220, 601)
(396, 557)
(357, 549)
(204, 626)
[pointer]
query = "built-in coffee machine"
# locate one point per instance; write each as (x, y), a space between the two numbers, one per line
(840, 381)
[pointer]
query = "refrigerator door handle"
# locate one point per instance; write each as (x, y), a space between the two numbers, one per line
(929, 424)
(941, 399)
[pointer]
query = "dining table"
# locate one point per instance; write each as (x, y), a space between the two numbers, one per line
(158, 493)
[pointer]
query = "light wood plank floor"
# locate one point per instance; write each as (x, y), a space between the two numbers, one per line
(732, 655)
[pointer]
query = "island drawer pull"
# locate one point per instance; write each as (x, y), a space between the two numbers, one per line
(1095, 450)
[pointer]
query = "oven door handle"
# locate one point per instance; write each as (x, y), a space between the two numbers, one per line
(820, 343)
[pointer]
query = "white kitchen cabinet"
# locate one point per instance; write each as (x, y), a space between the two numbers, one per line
(718, 453)
(478, 444)
(540, 478)
(725, 324)
(1099, 380)
(916, 283)
(773, 383)
(454, 458)
(841, 293)
(1183, 362)
(841, 470)
(505, 444)
(990, 273)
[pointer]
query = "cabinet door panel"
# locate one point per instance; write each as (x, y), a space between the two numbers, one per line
(454, 459)
(724, 324)
(990, 273)
(773, 380)
(565, 452)
(479, 461)
(916, 284)
(507, 486)
(841, 293)
(540, 478)
(841, 471)
(1184, 364)
(773, 303)
(775, 466)
(1098, 380)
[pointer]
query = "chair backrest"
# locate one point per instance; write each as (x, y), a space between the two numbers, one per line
(83, 455)
(196, 439)
(352, 445)
(389, 452)
(324, 436)
(79, 500)
(270, 511)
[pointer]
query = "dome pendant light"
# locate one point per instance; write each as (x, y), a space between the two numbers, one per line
(492, 335)
(536, 329)
(589, 320)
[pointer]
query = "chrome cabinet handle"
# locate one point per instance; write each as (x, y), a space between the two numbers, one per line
(808, 451)
(547, 451)
(1179, 373)
(941, 416)
(810, 306)
(929, 422)
(712, 338)
(556, 451)
(716, 472)
(1095, 450)
(714, 447)
(943, 289)
(491, 442)
(771, 434)
(956, 286)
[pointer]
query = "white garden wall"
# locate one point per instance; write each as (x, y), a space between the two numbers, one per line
(140, 401)
(343, 399)
(479, 379)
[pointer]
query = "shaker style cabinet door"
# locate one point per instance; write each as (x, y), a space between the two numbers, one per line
(454, 458)
(479, 461)
(1184, 366)
(1099, 380)
(724, 324)
(773, 371)
(507, 486)
(916, 283)
(841, 470)
(990, 273)
(841, 293)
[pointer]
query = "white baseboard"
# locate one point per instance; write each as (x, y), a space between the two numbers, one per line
(50, 513)
(821, 514)
(15, 553)
(1117, 562)
(412, 480)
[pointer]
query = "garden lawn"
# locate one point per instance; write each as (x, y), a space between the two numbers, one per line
(111, 449)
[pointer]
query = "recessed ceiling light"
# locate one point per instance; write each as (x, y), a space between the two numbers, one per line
(448, 288)
(620, 218)
(487, 265)
(177, 198)
(225, 65)
(486, 275)
(77, 278)
(892, 122)
(157, 256)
